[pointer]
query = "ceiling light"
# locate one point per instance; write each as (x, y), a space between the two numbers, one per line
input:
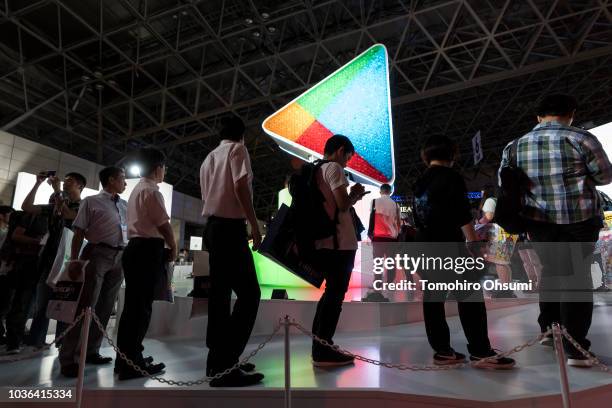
(265, 16)
(135, 170)
(85, 78)
(248, 21)
(256, 34)
(99, 87)
(271, 29)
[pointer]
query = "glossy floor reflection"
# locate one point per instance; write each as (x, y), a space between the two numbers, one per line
(537, 373)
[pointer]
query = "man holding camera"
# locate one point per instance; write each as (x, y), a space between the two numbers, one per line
(61, 210)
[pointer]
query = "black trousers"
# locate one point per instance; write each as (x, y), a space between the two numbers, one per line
(565, 290)
(6, 298)
(472, 314)
(22, 281)
(231, 269)
(143, 263)
(337, 266)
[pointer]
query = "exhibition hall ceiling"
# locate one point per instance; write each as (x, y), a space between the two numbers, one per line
(100, 78)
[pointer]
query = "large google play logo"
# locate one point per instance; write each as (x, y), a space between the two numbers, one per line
(353, 101)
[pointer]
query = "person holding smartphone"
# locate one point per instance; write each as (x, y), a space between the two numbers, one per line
(60, 212)
(337, 253)
(443, 217)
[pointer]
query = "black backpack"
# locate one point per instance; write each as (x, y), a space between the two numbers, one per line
(308, 215)
(514, 187)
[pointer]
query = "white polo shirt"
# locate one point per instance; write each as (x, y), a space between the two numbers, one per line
(221, 170)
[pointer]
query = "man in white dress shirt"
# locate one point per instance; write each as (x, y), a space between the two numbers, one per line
(148, 230)
(102, 221)
(225, 178)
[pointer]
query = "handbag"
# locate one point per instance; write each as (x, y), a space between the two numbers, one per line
(281, 246)
(64, 301)
(163, 282)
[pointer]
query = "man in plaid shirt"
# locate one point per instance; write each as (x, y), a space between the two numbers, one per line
(564, 164)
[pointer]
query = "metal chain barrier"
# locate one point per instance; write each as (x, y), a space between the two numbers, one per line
(200, 381)
(410, 367)
(46, 347)
(292, 322)
(591, 357)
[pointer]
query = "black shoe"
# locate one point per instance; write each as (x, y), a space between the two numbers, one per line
(579, 360)
(97, 359)
(499, 363)
(237, 378)
(331, 358)
(147, 360)
(246, 367)
(448, 358)
(70, 370)
(2, 340)
(128, 373)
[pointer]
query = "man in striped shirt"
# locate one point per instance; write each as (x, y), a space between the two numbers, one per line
(564, 164)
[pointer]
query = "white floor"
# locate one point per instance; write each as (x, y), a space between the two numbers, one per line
(536, 376)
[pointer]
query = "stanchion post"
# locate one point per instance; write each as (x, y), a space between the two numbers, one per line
(84, 340)
(287, 364)
(565, 389)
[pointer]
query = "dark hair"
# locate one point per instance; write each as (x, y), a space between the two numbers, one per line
(150, 159)
(385, 188)
(438, 148)
(5, 209)
(557, 105)
(232, 128)
(336, 142)
(108, 172)
(79, 179)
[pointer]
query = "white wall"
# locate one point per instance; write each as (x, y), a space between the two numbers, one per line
(19, 154)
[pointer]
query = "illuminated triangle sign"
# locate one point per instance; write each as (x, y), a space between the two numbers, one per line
(353, 101)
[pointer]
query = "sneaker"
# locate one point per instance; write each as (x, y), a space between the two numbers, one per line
(448, 358)
(151, 369)
(237, 378)
(331, 358)
(579, 360)
(246, 367)
(499, 363)
(548, 341)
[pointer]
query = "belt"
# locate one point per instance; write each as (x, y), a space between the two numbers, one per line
(235, 221)
(107, 246)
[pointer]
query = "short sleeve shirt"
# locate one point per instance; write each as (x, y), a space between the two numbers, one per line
(146, 210)
(221, 170)
(331, 177)
(441, 206)
(489, 205)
